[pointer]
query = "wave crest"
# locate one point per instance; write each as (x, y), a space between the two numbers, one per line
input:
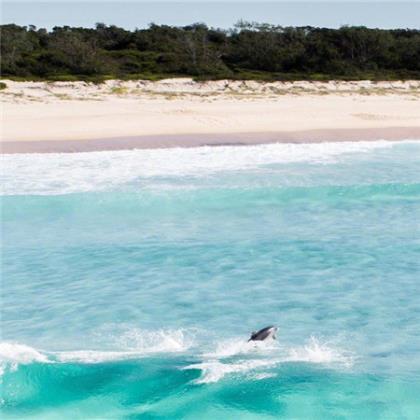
(135, 342)
(229, 357)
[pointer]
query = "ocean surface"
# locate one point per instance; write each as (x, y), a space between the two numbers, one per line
(131, 281)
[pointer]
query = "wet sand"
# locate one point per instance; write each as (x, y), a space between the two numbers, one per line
(201, 140)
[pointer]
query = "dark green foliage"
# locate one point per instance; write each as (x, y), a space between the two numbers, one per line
(3, 85)
(249, 51)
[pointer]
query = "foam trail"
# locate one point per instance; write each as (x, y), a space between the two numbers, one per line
(14, 354)
(49, 173)
(214, 371)
(93, 356)
(266, 355)
(157, 341)
(135, 343)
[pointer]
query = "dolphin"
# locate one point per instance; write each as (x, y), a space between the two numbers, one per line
(263, 334)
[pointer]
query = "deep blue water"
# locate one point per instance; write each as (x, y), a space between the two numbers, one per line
(131, 281)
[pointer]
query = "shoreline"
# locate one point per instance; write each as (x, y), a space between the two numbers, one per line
(40, 117)
(211, 139)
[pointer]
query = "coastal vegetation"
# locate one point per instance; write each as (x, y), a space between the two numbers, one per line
(248, 51)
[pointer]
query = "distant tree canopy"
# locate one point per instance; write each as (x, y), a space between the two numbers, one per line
(249, 51)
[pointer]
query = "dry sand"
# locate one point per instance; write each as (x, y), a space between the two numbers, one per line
(77, 116)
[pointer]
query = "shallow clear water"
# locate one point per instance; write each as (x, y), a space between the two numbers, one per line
(131, 281)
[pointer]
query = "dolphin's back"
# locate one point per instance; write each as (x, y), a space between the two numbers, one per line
(262, 334)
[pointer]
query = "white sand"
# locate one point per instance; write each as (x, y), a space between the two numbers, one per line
(63, 111)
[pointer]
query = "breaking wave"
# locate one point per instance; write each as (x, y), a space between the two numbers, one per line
(136, 343)
(229, 357)
(48, 174)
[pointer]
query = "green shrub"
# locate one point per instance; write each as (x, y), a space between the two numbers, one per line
(251, 51)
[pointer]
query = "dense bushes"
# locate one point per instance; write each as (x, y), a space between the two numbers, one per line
(248, 51)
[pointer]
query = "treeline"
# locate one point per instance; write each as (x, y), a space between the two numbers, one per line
(249, 51)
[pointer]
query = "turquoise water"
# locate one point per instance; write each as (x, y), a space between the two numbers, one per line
(131, 281)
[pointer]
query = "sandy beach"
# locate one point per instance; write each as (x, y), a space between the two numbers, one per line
(78, 116)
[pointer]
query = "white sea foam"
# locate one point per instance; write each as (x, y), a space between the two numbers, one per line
(93, 356)
(135, 342)
(95, 171)
(214, 370)
(156, 341)
(265, 355)
(261, 376)
(20, 353)
(13, 354)
(215, 365)
(316, 351)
